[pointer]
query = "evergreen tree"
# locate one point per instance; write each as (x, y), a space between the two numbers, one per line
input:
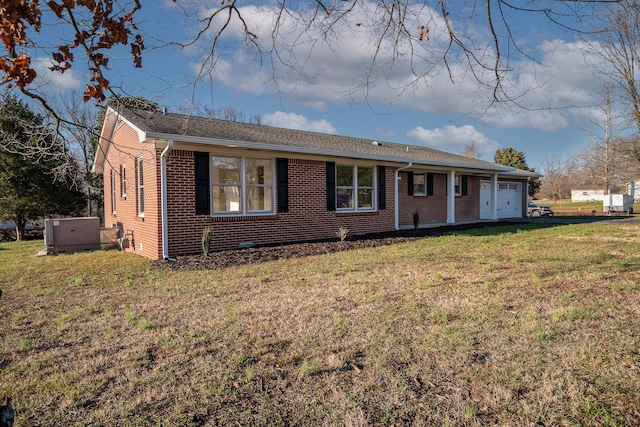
(516, 159)
(28, 189)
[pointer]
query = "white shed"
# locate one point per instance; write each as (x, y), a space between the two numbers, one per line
(587, 195)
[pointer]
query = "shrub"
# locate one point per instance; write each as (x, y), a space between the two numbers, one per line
(342, 233)
(206, 240)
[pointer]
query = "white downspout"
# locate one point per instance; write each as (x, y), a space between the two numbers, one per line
(163, 197)
(395, 194)
(451, 197)
(494, 196)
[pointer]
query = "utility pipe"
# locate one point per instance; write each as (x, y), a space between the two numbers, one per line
(163, 197)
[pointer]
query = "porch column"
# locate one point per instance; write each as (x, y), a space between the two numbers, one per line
(494, 196)
(451, 197)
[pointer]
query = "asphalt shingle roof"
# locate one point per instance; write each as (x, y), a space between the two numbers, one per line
(157, 124)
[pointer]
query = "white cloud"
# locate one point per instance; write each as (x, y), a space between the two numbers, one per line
(297, 121)
(453, 139)
(55, 81)
(321, 69)
(557, 93)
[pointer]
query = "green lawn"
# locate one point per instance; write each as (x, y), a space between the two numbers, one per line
(506, 326)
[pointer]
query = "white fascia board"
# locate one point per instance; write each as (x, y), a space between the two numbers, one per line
(521, 173)
(154, 137)
(111, 119)
(104, 141)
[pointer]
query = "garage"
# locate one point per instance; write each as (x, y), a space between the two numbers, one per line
(509, 200)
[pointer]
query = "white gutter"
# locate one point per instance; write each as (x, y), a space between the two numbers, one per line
(395, 195)
(163, 198)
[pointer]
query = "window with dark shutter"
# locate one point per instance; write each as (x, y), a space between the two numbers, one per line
(282, 167)
(429, 184)
(382, 188)
(410, 183)
(463, 180)
(203, 201)
(331, 186)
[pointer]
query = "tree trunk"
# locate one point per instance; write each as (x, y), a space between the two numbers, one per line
(21, 225)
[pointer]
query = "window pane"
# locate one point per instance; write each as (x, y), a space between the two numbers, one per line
(365, 177)
(226, 198)
(123, 180)
(344, 176)
(113, 191)
(141, 201)
(258, 171)
(259, 198)
(345, 198)
(140, 173)
(226, 170)
(365, 198)
(418, 184)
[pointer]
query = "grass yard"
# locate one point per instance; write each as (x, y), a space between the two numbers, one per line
(567, 207)
(520, 325)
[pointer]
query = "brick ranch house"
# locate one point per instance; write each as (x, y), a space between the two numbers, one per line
(167, 177)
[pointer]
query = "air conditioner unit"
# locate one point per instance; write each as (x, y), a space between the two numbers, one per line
(69, 235)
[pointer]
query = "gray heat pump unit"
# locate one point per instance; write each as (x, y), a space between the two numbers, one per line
(69, 235)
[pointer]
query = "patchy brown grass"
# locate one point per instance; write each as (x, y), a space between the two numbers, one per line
(504, 326)
(567, 207)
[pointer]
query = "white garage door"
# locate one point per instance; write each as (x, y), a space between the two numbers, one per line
(509, 200)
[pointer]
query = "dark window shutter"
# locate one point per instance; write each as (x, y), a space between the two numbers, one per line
(410, 183)
(463, 184)
(429, 184)
(331, 186)
(282, 166)
(203, 203)
(382, 187)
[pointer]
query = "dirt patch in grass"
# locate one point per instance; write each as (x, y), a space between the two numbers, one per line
(260, 254)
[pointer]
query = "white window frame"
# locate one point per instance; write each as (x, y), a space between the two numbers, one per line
(243, 185)
(123, 180)
(424, 184)
(140, 186)
(113, 191)
(355, 189)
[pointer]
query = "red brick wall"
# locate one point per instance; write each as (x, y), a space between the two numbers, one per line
(430, 208)
(468, 207)
(434, 208)
(307, 218)
(146, 231)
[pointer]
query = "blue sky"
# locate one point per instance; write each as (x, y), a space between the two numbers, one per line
(436, 112)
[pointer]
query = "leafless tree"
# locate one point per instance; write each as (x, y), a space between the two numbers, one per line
(616, 46)
(40, 142)
(466, 39)
(80, 135)
(605, 149)
(609, 166)
(560, 176)
(472, 150)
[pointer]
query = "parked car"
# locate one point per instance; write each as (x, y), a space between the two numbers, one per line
(535, 210)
